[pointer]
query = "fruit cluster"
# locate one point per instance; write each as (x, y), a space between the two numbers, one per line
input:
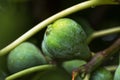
(65, 46)
(69, 49)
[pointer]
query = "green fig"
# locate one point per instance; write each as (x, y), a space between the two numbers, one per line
(101, 74)
(117, 73)
(24, 56)
(65, 39)
(85, 25)
(53, 74)
(70, 65)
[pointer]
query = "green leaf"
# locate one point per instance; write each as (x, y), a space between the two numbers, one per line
(117, 73)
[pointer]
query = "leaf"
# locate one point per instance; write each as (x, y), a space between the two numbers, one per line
(117, 73)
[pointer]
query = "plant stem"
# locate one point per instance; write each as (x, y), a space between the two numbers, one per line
(43, 24)
(111, 68)
(103, 33)
(29, 70)
(87, 77)
(98, 59)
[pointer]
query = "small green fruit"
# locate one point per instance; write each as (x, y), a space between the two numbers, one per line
(24, 56)
(101, 74)
(65, 39)
(70, 65)
(85, 25)
(117, 73)
(53, 74)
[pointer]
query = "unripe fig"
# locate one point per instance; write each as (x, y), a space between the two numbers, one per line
(70, 65)
(101, 74)
(85, 25)
(24, 56)
(65, 39)
(53, 74)
(117, 73)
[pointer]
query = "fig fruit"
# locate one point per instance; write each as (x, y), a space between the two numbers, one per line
(85, 25)
(70, 65)
(65, 39)
(24, 56)
(117, 73)
(53, 74)
(101, 74)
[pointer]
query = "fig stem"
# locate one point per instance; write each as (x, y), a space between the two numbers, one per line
(29, 70)
(97, 60)
(103, 33)
(43, 24)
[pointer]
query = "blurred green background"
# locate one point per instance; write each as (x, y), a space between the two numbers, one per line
(18, 16)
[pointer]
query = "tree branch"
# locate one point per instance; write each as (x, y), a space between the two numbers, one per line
(97, 60)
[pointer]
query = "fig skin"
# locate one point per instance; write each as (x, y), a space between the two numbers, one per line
(101, 74)
(71, 65)
(24, 56)
(53, 74)
(85, 25)
(65, 39)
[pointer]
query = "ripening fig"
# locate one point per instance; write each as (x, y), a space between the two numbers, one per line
(65, 39)
(101, 74)
(24, 56)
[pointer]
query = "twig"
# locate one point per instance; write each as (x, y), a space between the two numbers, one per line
(98, 59)
(29, 70)
(103, 33)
